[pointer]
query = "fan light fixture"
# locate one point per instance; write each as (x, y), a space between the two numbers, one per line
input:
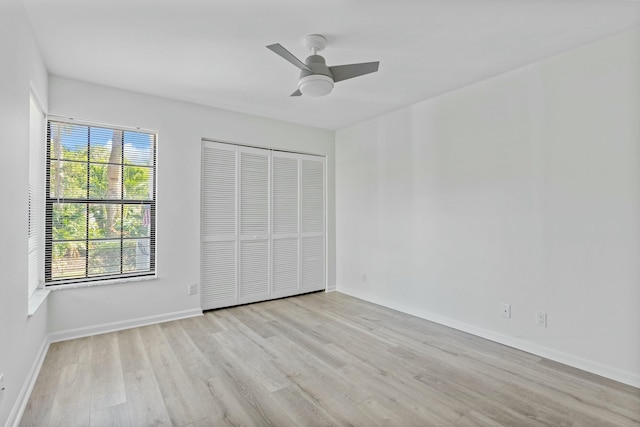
(315, 85)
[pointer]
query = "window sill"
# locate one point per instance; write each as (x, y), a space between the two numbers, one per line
(36, 299)
(100, 283)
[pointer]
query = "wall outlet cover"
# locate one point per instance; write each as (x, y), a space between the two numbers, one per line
(541, 319)
(506, 310)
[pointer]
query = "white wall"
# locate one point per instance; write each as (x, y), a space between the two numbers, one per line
(180, 127)
(22, 338)
(523, 189)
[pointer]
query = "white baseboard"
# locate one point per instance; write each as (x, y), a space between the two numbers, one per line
(27, 387)
(615, 374)
(119, 326)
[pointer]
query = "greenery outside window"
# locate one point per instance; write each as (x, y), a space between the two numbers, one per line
(100, 203)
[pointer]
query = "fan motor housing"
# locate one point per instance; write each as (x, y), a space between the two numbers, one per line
(318, 66)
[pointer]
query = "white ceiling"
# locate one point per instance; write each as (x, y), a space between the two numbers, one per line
(212, 52)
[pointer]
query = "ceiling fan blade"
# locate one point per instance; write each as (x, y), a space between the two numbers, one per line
(344, 72)
(280, 50)
(296, 93)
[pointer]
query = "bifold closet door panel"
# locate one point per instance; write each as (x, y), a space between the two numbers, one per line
(285, 190)
(312, 208)
(219, 282)
(254, 257)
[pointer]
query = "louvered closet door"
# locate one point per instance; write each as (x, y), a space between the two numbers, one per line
(219, 225)
(254, 225)
(263, 218)
(285, 278)
(312, 208)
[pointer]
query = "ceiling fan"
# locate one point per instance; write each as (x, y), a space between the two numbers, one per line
(316, 79)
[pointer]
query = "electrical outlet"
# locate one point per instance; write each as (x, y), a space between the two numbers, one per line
(193, 289)
(541, 319)
(1, 386)
(506, 310)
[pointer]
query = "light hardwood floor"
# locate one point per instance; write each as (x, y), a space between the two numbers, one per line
(314, 360)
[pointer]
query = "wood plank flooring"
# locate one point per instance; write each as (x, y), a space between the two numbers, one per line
(314, 360)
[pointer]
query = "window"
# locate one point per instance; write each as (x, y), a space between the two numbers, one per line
(100, 203)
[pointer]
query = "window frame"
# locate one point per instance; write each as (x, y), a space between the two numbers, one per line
(36, 190)
(50, 200)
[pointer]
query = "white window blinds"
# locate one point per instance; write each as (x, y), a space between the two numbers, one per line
(100, 203)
